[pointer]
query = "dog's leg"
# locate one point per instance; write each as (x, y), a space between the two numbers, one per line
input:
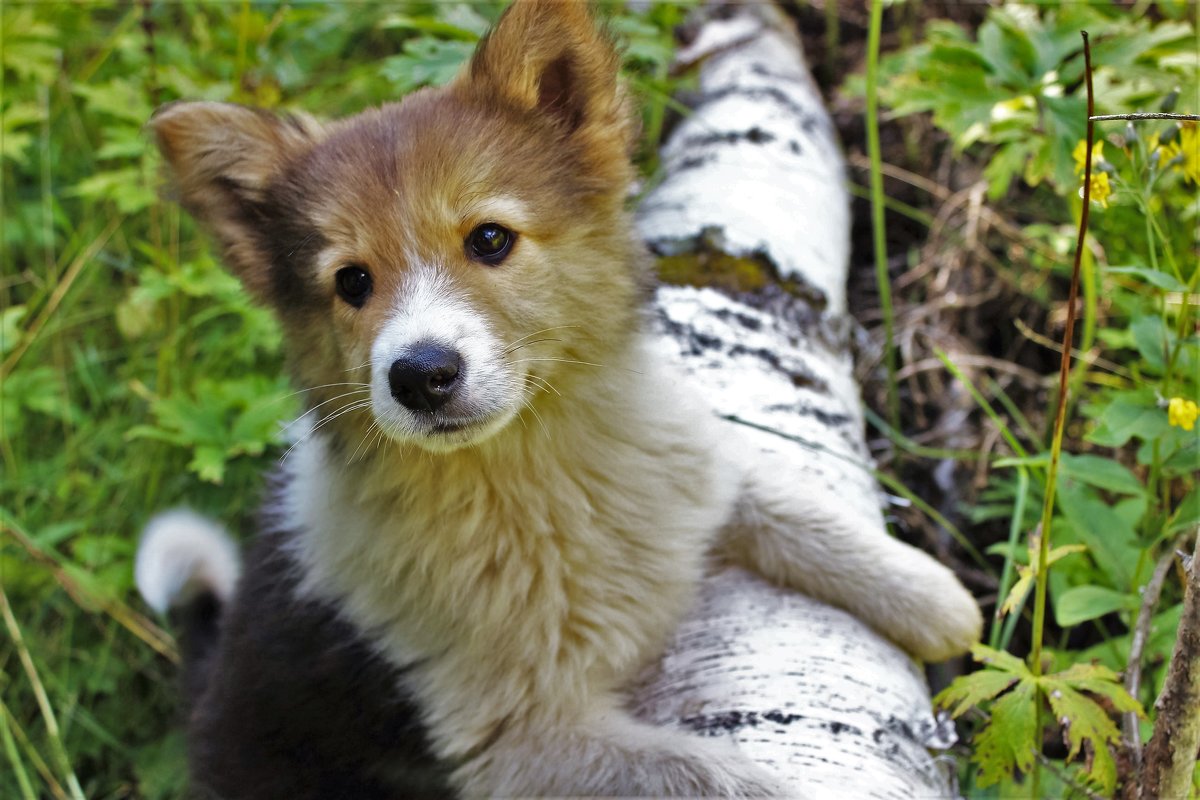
(811, 541)
(609, 753)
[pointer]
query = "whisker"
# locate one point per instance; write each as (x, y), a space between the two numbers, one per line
(516, 342)
(379, 437)
(555, 358)
(326, 402)
(326, 386)
(366, 437)
(367, 363)
(515, 348)
(525, 402)
(542, 382)
(361, 404)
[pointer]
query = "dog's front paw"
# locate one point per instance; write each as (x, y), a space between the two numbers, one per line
(941, 618)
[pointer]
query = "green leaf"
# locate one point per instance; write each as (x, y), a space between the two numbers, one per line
(1084, 721)
(468, 30)
(10, 327)
(998, 659)
(968, 691)
(1019, 589)
(1005, 45)
(1010, 740)
(1186, 514)
(209, 463)
(1129, 414)
(1152, 339)
(1081, 603)
(1099, 679)
(426, 62)
(1111, 540)
(1101, 472)
(1154, 277)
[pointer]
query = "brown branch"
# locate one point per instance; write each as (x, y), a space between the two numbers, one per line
(1170, 757)
(1145, 115)
(1141, 632)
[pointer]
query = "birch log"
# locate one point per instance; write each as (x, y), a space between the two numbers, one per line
(754, 199)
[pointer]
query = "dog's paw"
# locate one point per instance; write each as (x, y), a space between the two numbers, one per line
(941, 619)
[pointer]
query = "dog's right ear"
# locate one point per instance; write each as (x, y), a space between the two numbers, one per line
(221, 159)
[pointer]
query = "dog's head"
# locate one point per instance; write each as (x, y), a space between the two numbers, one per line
(455, 254)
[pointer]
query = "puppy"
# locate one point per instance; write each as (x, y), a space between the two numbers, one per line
(507, 502)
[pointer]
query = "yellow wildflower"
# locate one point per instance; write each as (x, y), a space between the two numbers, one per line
(1101, 189)
(1080, 155)
(1189, 145)
(1184, 151)
(1182, 413)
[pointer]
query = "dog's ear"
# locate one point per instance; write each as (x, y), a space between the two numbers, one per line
(549, 56)
(221, 158)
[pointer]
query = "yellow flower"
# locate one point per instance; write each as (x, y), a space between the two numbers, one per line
(1182, 413)
(1185, 151)
(1189, 145)
(1101, 190)
(1080, 155)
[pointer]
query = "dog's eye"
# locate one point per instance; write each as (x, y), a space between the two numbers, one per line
(490, 243)
(353, 285)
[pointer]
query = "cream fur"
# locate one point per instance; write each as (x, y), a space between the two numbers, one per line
(530, 576)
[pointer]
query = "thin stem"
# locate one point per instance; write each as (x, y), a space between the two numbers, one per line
(1064, 375)
(877, 206)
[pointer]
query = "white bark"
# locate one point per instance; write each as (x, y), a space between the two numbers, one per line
(829, 705)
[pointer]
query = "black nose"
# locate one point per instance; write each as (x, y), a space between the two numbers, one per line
(425, 377)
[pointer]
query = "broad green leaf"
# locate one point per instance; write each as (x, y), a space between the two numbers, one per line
(1111, 541)
(968, 691)
(1010, 740)
(1003, 41)
(1081, 603)
(1101, 472)
(1152, 338)
(1128, 415)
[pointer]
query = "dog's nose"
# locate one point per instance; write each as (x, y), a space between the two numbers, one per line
(425, 377)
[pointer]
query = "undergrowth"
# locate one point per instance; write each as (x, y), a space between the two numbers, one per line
(1061, 667)
(136, 374)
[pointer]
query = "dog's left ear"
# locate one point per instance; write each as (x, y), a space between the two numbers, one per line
(549, 57)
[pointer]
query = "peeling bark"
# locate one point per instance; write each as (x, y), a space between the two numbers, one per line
(753, 216)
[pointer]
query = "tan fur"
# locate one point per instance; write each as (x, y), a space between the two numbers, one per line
(528, 565)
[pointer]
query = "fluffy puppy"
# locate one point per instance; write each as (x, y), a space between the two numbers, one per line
(509, 502)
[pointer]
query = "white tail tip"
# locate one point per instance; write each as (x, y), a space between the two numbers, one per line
(182, 554)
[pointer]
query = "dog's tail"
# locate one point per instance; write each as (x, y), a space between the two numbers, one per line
(187, 566)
